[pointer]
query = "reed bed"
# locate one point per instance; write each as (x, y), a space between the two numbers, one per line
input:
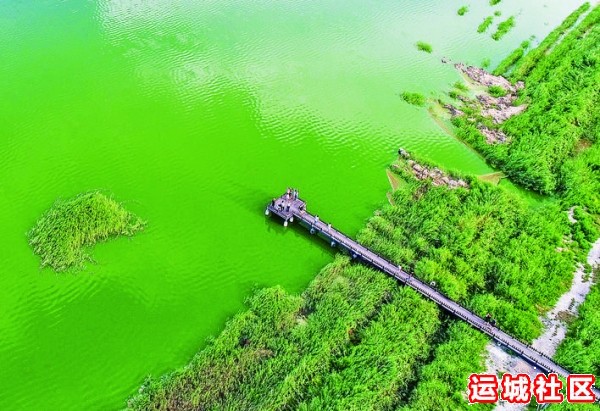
(415, 99)
(357, 340)
(503, 28)
(487, 22)
(63, 234)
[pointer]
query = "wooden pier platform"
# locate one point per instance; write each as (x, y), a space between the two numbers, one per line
(289, 207)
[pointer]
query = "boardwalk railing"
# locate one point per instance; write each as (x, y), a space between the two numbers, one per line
(290, 208)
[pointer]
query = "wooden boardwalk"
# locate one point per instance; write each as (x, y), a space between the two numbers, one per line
(291, 208)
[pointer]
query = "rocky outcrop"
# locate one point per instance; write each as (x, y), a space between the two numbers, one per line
(454, 112)
(438, 177)
(493, 136)
(498, 109)
(484, 78)
(500, 115)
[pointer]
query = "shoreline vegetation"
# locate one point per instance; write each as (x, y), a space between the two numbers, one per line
(558, 130)
(555, 144)
(309, 351)
(63, 234)
(355, 339)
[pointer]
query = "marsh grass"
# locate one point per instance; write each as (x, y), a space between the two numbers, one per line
(355, 340)
(504, 28)
(531, 60)
(426, 47)
(562, 94)
(463, 10)
(61, 236)
(415, 99)
(487, 22)
(459, 85)
(512, 59)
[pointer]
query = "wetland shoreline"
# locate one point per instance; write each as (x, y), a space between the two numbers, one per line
(481, 244)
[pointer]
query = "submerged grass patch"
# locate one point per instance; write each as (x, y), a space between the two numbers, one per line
(487, 22)
(426, 47)
(60, 237)
(463, 10)
(459, 85)
(504, 28)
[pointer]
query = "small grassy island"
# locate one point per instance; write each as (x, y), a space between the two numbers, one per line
(60, 237)
(487, 22)
(504, 28)
(415, 99)
(426, 47)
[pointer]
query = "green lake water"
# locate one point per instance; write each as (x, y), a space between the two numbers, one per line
(195, 114)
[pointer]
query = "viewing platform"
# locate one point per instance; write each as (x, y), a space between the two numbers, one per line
(289, 207)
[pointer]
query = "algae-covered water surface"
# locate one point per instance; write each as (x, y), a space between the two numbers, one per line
(193, 115)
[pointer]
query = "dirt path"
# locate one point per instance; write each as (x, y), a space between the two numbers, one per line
(554, 325)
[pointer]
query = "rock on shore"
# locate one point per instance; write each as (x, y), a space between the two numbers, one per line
(484, 78)
(498, 109)
(421, 172)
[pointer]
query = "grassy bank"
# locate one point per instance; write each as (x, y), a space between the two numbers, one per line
(63, 234)
(580, 351)
(561, 121)
(512, 59)
(553, 148)
(291, 350)
(531, 59)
